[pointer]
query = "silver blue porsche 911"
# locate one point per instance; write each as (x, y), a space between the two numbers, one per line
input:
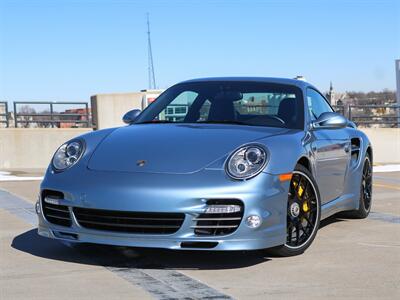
(212, 164)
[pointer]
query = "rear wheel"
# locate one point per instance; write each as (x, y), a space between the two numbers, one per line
(365, 201)
(303, 214)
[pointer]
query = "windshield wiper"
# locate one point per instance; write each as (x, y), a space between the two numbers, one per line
(155, 122)
(225, 122)
(200, 122)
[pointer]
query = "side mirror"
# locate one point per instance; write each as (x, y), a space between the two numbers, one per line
(351, 124)
(330, 120)
(131, 116)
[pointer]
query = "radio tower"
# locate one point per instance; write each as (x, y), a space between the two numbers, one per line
(152, 77)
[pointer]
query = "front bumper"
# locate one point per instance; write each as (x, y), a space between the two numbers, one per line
(264, 196)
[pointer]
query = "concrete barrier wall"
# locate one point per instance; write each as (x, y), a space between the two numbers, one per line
(386, 144)
(108, 109)
(31, 148)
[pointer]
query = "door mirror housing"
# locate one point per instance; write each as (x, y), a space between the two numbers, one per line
(131, 116)
(330, 120)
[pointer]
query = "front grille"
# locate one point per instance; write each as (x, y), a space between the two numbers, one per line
(218, 224)
(56, 214)
(129, 222)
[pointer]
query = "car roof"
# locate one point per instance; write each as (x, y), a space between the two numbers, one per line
(295, 82)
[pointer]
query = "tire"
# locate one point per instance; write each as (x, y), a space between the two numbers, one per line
(309, 213)
(365, 201)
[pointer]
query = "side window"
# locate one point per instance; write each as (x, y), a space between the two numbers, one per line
(204, 111)
(178, 108)
(317, 104)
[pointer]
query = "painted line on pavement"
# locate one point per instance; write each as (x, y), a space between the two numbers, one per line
(384, 217)
(7, 176)
(379, 245)
(387, 186)
(386, 168)
(161, 283)
(387, 179)
(18, 207)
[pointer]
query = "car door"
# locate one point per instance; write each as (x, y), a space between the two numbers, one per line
(330, 149)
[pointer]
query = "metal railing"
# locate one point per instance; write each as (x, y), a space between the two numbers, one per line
(4, 114)
(367, 115)
(375, 114)
(50, 117)
(362, 115)
(340, 109)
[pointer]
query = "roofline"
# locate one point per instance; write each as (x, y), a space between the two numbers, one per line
(290, 81)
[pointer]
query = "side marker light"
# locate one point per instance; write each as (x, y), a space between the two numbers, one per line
(285, 177)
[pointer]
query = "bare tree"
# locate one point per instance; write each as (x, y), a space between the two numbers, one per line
(43, 118)
(26, 111)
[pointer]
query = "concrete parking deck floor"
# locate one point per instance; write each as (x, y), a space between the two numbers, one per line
(348, 259)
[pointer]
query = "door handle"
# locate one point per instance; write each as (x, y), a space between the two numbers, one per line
(347, 147)
(314, 148)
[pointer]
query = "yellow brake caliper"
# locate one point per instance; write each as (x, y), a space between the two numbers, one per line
(305, 206)
(300, 192)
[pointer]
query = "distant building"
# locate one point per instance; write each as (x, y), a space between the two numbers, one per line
(397, 64)
(78, 119)
(176, 113)
(336, 98)
(331, 95)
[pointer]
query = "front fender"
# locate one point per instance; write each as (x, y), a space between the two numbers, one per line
(92, 140)
(285, 151)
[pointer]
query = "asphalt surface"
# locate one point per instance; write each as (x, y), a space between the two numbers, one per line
(348, 259)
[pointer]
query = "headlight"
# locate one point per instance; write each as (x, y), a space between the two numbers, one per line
(68, 155)
(246, 162)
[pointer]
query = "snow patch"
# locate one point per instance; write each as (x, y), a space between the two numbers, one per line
(6, 176)
(386, 168)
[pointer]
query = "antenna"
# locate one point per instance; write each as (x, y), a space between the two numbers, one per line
(152, 77)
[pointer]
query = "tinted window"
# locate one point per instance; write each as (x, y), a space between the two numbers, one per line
(317, 104)
(243, 103)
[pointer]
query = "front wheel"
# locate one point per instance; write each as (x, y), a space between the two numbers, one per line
(303, 214)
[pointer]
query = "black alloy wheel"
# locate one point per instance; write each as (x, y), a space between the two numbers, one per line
(303, 210)
(303, 214)
(366, 185)
(365, 201)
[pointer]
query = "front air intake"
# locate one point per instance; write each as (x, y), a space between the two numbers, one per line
(199, 245)
(212, 223)
(52, 211)
(129, 222)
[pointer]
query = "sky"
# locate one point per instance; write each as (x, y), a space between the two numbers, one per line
(69, 50)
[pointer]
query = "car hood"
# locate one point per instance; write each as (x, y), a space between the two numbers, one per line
(171, 148)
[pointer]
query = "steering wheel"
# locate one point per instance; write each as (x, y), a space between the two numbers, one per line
(276, 118)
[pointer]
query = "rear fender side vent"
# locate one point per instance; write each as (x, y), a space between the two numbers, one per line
(355, 151)
(216, 224)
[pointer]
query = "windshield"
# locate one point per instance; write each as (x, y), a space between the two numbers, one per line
(228, 102)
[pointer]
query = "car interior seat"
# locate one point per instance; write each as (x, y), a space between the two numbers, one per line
(287, 110)
(222, 110)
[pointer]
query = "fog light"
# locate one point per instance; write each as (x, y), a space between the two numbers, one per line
(37, 207)
(222, 209)
(253, 221)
